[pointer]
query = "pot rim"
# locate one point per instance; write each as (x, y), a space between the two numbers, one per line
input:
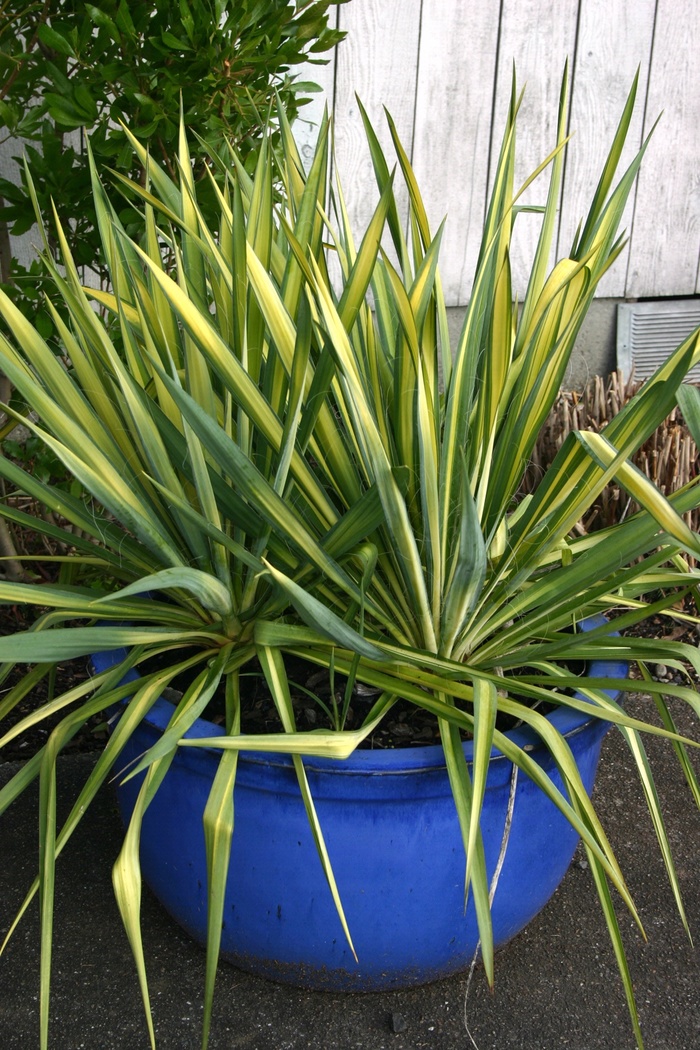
(566, 721)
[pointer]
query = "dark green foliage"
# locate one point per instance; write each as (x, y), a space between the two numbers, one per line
(67, 66)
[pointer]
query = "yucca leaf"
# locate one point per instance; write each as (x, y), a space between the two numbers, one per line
(256, 488)
(83, 602)
(112, 491)
(582, 243)
(191, 707)
(126, 879)
(362, 269)
(635, 745)
(680, 747)
(218, 833)
(323, 619)
(167, 190)
(383, 177)
(688, 397)
(228, 500)
(573, 481)
(47, 864)
(468, 564)
(608, 909)
(192, 256)
(66, 643)
(467, 807)
(603, 231)
(109, 226)
(643, 490)
(205, 588)
(541, 368)
(293, 164)
(276, 677)
(19, 690)
(238, 380)
(50, 847)
(540, 263)
(308, 224)
(419, 217)
(379, 468)
(56, 399)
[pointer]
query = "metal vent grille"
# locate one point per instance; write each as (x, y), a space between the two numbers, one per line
(648, 332)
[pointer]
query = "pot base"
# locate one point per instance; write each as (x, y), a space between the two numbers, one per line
(394, 842)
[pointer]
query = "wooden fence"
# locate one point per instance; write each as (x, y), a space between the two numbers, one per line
(443, 69)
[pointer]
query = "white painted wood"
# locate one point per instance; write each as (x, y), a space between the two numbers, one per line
(614, 40)
(378, 62)
(310, 116)
(26, 248)
(666, 230)
(443, 66)
(539, 36)
(454, 99)
(23, 247)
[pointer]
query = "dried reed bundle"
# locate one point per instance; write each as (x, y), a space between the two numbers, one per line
(669, 458)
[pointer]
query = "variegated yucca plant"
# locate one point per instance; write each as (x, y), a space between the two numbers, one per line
(276, 462)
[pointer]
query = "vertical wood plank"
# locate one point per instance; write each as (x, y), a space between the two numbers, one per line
(614, 39)
(538, 36)
(22, 247)
(310, 116)
(454, 101)
(434, 66)
(666, 231)
(378, 62)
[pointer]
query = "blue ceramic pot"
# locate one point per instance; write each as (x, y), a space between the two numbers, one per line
(394, 842)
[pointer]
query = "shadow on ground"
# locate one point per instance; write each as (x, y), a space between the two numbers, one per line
(556, 984)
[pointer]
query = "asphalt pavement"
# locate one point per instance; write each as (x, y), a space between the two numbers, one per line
(556, 984)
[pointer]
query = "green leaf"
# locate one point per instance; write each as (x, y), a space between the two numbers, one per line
(688, 397)
(66, 643)
(100, 18)
(205, 588)
(127, 881)
(643, 490)
(192, 705)
(276, 676)
(54, 40)
(321, 618)
(218, 823)
(467, 573)
(73, 111)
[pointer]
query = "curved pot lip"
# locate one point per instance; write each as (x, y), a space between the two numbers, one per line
(566, 721)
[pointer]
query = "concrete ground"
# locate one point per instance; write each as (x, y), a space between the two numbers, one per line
(556, 984)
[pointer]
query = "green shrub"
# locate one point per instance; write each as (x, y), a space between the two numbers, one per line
(280, 463)
(70, 65)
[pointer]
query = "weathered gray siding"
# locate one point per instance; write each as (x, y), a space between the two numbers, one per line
(443, 70)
